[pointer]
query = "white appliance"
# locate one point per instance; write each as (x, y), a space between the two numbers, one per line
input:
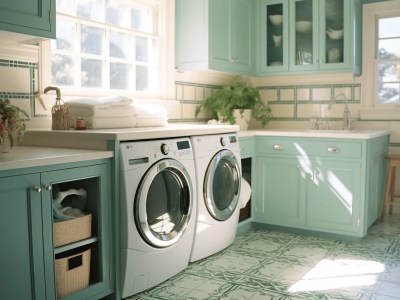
(158, 211)
(218, 172)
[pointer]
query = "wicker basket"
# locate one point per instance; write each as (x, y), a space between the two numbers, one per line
(72, 273)
(73, 230)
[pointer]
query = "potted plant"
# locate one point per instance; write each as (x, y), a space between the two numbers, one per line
(12, 122)
(232, 102)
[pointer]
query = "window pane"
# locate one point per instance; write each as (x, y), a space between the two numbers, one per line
(141, 20)
(119, 45)
(88, 9)
(63, 6)
(117, 14)
(389, 48)
(388, 93)
(66, 35)
(142, 81)
(119, 76)
(389, 27)
(91, 72)
(92, 40)
(62, 70)
(389, 72)
(142, 49)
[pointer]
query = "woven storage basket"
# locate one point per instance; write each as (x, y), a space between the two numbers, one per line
(72, 273)
(60, 116)
(73, 230)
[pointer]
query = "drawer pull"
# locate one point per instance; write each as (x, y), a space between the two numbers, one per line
(278, 147)
(333, 150)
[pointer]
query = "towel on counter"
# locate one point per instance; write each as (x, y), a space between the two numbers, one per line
(106, 123)
(109, 112)
(150, 115)
(106, 102)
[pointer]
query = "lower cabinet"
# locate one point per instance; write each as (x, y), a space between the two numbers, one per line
(326, 185)
(29, 260)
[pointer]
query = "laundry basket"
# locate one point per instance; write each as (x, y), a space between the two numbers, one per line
(72, 272)
(70, 231)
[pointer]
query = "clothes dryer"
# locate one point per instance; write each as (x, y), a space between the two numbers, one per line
(158, 211)
(218, 172)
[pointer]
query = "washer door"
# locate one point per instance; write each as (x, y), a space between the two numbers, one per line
(221, 185)
(163, 203)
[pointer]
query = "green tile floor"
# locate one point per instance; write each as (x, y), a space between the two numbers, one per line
(264, 264)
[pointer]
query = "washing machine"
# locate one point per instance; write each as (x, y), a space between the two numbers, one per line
(158, 211)
(218, 172)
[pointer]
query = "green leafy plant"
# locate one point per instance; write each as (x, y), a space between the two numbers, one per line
(12, 121)
(238, 95)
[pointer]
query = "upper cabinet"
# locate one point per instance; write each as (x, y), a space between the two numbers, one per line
(214, 35)
(308, 36)
(33, 17)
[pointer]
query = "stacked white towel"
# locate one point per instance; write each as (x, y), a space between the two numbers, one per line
(117, 112)
(110, 112)
(150, 115)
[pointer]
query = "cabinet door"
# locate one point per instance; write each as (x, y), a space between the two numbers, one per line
(304, 35)
(21, 261)
(33, 17)
(280, 191)
(272, 36)
(231, 35)
(333, 196)
(93, 179)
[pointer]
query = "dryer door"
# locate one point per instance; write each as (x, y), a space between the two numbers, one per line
(221, 185)
(163, 203)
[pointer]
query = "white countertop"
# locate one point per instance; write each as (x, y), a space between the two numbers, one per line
(25, 156)
(97, 139)
(343, 134)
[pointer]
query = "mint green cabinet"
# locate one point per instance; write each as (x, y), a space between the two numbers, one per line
(313, 36)
(26, 234)
(214, 35)
(33, 17)
(320, 184)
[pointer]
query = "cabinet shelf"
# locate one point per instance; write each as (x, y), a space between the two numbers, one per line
(78, 244)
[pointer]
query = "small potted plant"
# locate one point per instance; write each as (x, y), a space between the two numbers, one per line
(12, 122)
(237, 103)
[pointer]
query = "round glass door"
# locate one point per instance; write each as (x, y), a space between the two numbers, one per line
(221, 185)
(163, 203)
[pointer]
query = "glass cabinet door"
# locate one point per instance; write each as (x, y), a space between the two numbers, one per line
(274, 35)
(304, 35)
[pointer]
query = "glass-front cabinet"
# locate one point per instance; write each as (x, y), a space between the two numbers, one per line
(303, 36)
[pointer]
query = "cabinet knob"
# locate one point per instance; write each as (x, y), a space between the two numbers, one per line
(278, 147)
(37, 189)
(48, 187)
(333, 150)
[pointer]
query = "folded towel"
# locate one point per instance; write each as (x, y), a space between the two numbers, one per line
(113, 111)
(149, 110)
(100, 102)
(151, 122)
(106, 123)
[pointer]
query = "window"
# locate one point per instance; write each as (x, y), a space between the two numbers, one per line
(388, 60)
(106, 45)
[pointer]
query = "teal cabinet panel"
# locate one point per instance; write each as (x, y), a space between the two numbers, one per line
(21, 261)
(275, 202)
(214, 35)
(317, 37)
(26, 234)
(328, 185)
(334, 196)
(247, 146)
(36, 17)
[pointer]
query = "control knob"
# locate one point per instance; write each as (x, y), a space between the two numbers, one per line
(223, 141)
(164, 149)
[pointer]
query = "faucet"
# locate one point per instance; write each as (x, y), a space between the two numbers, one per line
(346, 113)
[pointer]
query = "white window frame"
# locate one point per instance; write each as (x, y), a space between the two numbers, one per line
(372, 12)
(165, 30)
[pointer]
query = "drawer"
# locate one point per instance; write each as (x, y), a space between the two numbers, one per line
(246, 147)
(335, 148)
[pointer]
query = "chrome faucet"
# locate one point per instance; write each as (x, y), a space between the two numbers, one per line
(346, 113)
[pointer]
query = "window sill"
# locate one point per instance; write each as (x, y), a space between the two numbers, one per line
(380, 114)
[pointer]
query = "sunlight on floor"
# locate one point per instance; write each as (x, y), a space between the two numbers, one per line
(340, 273)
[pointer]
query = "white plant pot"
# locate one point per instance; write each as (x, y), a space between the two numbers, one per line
(242, 119)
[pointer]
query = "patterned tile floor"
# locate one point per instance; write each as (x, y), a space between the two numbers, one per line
(264, 264)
